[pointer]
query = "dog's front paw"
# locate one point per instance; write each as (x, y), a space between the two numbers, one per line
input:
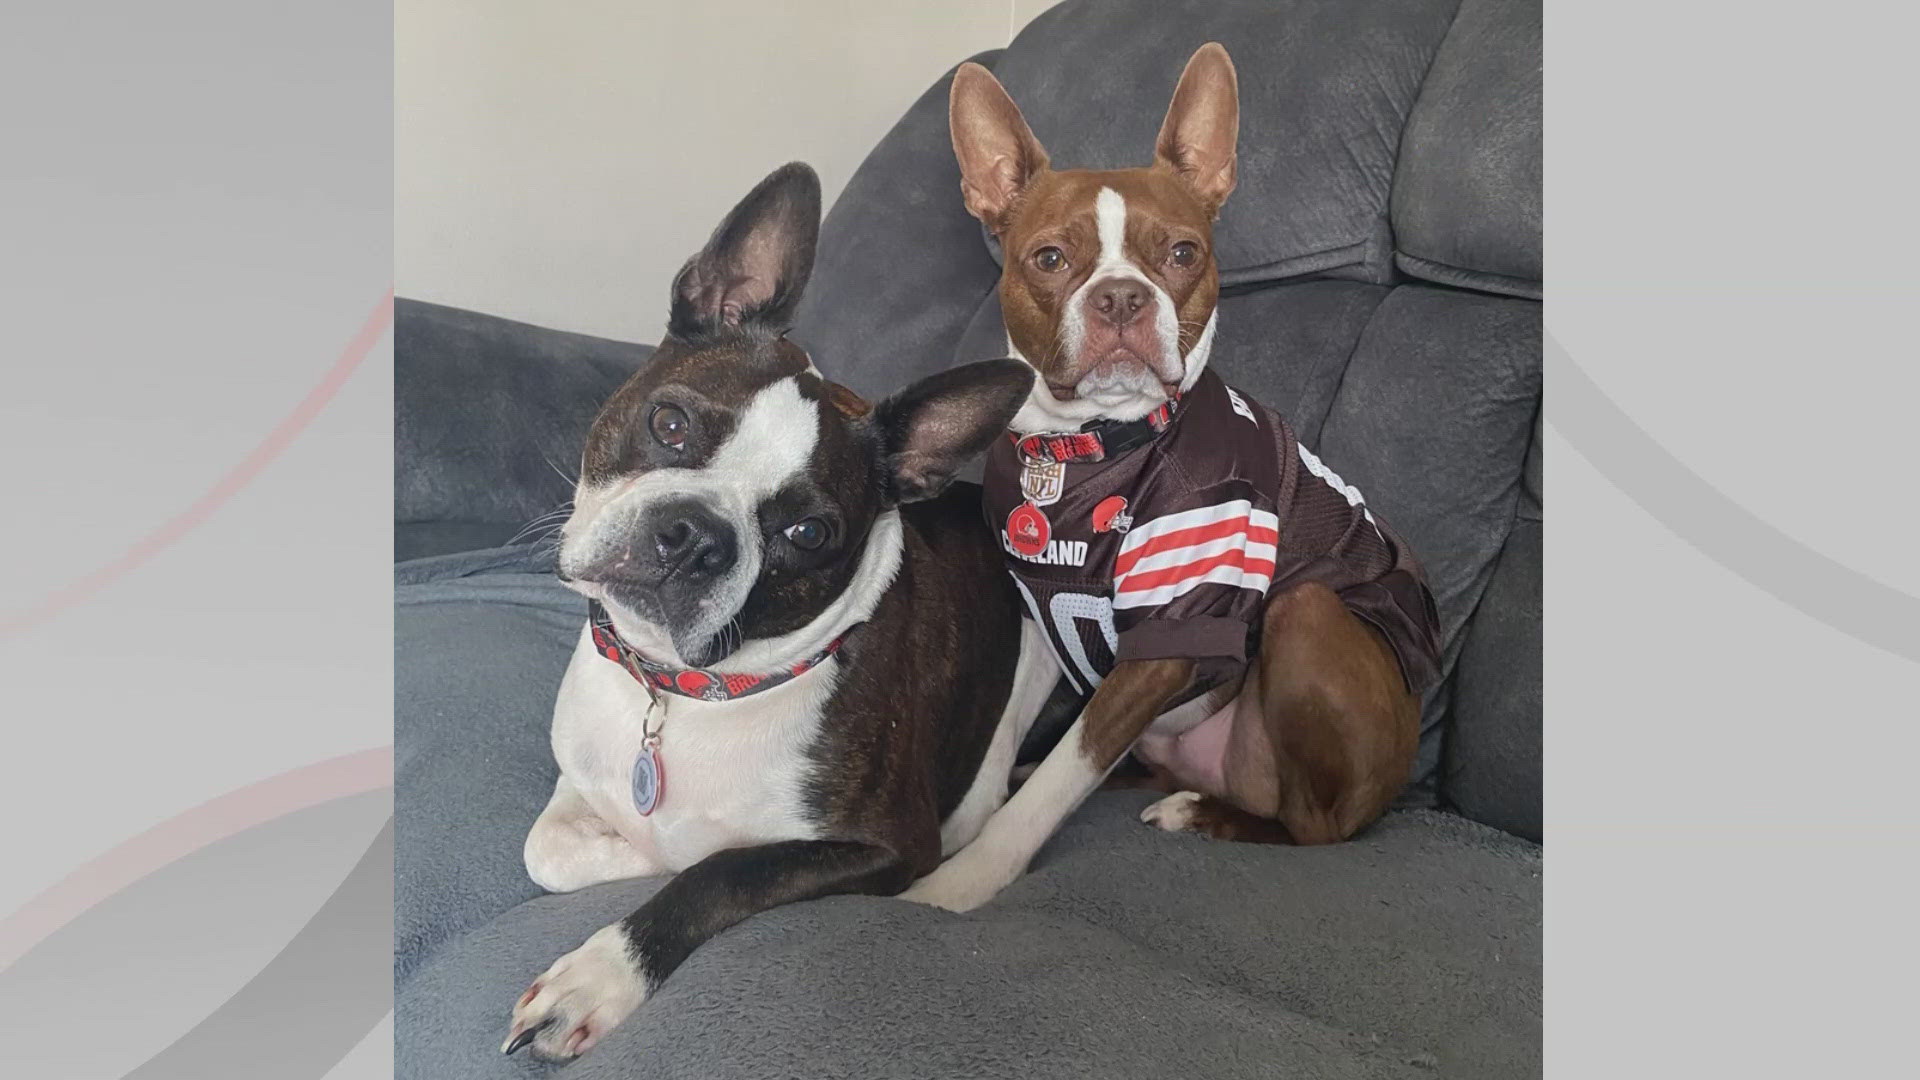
(579, 999)
(953, 887)
(1175, 813)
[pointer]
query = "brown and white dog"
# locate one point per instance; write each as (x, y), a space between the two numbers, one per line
(1243, 622)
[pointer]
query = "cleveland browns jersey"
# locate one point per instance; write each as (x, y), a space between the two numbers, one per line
(1164, 537)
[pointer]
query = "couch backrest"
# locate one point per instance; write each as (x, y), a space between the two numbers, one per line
(488, 418)
(1382, 254)
(1466, 189)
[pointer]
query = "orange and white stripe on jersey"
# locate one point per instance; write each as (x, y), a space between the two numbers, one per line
(1231, 543)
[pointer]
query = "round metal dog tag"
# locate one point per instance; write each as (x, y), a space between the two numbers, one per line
(648, 778)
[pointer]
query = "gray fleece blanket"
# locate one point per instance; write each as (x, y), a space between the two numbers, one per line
(1413, 951)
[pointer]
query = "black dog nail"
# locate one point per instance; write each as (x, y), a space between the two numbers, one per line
(524, 1037)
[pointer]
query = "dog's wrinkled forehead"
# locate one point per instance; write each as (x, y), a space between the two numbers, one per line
(1125, 214)
(765, 381)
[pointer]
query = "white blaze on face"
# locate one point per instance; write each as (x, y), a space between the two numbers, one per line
(772, 442)
(1110, 218)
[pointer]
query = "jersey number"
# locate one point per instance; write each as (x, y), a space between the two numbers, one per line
(1070, 608)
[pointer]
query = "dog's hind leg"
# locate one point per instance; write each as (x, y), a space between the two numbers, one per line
(1336, 716)
(1216, 819)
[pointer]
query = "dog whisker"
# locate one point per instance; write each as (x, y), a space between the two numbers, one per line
(572, 481)
(555, 519)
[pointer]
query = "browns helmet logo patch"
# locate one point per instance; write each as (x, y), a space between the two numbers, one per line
(1110, 515)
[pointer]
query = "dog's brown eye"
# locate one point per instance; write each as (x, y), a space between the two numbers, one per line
(669, 425)
(1184, 253)
(1050, 259)
(807, 533)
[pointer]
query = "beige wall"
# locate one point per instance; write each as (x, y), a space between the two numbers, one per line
(556, 162)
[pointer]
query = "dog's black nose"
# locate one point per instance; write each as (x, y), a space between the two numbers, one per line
(1118, 299)
(693, 540)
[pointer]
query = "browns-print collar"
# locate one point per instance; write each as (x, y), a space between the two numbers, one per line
(1097, 441)
(693, 682)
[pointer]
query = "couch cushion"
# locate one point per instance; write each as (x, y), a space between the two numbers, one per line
(488, 414)
(1466, 197)
(1289, 345)
(1325, 88)
(1413, 951)
(480, 641)
(1533, 480)
(1492, 768)
(899, 269)
(423, 539)
(1432, 421)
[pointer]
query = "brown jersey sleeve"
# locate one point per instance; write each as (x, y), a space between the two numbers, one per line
(1188, 581)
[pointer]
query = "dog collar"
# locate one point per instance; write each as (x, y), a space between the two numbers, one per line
(1097, 441)
(693, 682)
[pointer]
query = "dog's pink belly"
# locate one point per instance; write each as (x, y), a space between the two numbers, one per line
(1197, 758)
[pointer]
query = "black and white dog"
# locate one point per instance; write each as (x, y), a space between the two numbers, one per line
(806, 672)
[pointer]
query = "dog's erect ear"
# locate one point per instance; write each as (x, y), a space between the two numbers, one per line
(1203, 125)
(932, 428)
(845, 402)
(756, 264)
(997, 151)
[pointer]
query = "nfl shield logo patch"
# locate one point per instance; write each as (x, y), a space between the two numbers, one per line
(1042, 482)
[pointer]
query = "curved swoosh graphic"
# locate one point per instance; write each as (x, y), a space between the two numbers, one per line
(1719, 528)
(183, 834)
(272, 446)
(312, 1003)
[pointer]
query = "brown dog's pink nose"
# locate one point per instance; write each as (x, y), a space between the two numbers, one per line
(1118, 299)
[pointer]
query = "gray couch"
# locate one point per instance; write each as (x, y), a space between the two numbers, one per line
(1382, 258)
